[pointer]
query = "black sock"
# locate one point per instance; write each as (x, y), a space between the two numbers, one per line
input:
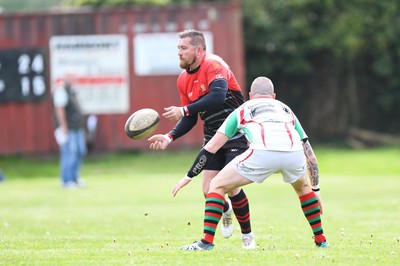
(241, 209)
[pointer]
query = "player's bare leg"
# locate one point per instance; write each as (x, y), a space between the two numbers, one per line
(240, 205)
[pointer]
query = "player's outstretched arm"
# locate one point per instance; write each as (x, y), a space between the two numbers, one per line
(313, 171)
(312, 165)
(198, 165)
(173, 113)
(183, 182)
(204, 156)
(159, 142)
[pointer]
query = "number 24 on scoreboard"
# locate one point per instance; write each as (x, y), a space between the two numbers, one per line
(22, 75)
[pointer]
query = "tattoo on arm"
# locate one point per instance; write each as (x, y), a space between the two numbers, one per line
(312, 164)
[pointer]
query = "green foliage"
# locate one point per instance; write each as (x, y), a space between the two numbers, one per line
(117, 3)
(127, 216)
(27, 6)
(336, 62)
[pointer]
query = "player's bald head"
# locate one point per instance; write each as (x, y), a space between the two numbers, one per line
(262, 86)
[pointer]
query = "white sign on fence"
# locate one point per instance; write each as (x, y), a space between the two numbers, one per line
(156, 54)
(99, 64)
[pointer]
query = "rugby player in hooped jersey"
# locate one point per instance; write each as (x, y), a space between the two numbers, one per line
(208, 88)
(278, 143)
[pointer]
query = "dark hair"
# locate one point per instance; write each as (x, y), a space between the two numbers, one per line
(196, 37)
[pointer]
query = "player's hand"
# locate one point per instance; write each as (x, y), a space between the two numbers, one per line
(184, 181)
(158, 142)
(318, 195)
(173, 113)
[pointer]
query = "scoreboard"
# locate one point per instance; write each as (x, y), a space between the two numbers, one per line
(22, 75)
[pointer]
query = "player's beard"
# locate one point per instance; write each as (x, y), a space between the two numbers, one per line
(184, 64)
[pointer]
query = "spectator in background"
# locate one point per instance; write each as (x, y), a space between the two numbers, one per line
(69, 133)
(2, 176)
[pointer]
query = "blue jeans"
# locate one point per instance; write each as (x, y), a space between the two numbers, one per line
(71, 156)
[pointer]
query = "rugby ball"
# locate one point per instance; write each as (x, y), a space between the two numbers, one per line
(142, 123)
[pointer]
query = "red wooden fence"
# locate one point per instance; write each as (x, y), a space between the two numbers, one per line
(26, 126)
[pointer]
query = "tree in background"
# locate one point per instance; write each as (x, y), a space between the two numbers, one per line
(28, 6)
(336, 62)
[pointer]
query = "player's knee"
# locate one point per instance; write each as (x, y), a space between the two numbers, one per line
(233, 192)
(301, 186)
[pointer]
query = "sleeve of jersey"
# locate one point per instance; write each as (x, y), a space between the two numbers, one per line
(183, 126)
(216, 97)
(199, 163)
(231, 124)
(216, 70)
(180, 85)
(299, 128)
(60, 97)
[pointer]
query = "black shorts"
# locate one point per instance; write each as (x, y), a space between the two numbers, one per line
(223, 157)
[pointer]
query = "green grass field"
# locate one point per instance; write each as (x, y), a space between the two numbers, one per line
(127, 216)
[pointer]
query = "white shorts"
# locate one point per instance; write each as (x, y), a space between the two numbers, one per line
(258, 165)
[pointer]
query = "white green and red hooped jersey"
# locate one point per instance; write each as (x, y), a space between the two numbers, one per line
(268, 124)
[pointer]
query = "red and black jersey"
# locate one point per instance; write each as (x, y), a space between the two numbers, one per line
(193, 85)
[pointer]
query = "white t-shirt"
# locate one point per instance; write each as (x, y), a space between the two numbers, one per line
(60, 97)
(268, 124)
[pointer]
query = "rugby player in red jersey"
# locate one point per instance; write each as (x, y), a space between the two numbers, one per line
(208, 89)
